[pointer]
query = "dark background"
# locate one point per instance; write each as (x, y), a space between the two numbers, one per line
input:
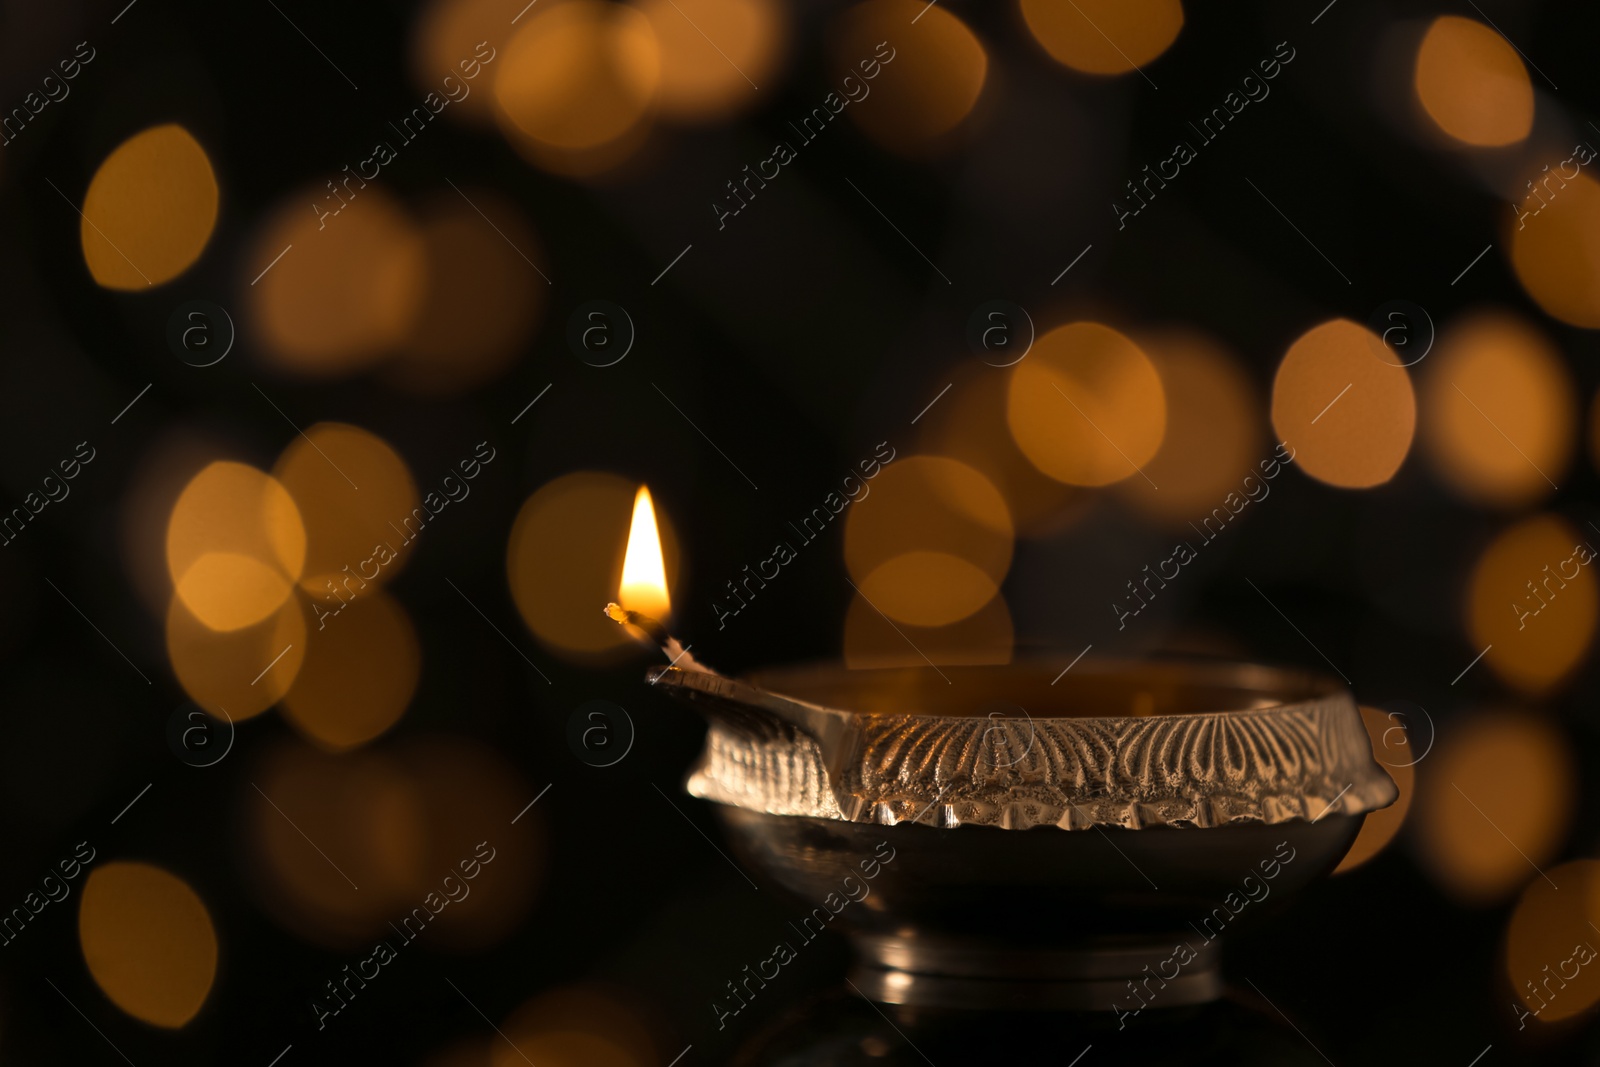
(805, 333)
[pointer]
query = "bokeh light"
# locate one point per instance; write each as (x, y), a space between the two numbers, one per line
(970, 425)
(348, 286)
(1498, 418)
(483, 296)
(1556, 253)
(872, 642)
(235, 545)
(1213, 435)
(1344, 406)
(360, 670)
(1390, 734)
(1086, 405)
(714, 53)
(927, 80)
(393, 823)
(575, 1026)
(148, 940)
(1104, 36)
(576, 84)
(1551, 944)
(354, 495)
(564, 560)
(150, 209)
(930, 542)
(445, 43)
(242, 672)
(1532, 602)
(1472, 83)
(1493, 803)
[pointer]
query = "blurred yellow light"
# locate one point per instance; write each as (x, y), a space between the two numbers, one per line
(930, 542)
(235, 545)
(394, 823)
(148, 941)
(360, 671)
(927, 82)
(1497, 411)
(1344, 406)
(1552, 952)
(1556, 254)
(1534, 600)
(970, 425)
(564, 560)
(1213, 433)
(354, 494)
(229, 591)
(577, 78)
(872, 642)
(1494, 801)
(347, 288)
(1472, 83)
(709, 48)
(575, 1026)
(1087, 406)
(482, 299)
(447, 35)
(1391, 745)
(150, 209)
(238, 673)
(1104, 36)
(644, 570)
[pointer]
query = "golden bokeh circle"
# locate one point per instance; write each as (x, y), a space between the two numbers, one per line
(930, 540)
(1391, 746)
(1214, 430)
(150, 209)
(1472, 83)
(1087, 406)
(1493, 803)
(1104, 36)
(148, 941)
(336, 288)
(483, 296)
(1556, 254)
(714, 53)
(926, 79)
(235, 545)
(1532, 601)
(1498, 420)
(1551, 944)
(578, 77)
(237, 673)
(1343, 406)
(360, 671)
(970, 425)
(353, 493)
(564, 560)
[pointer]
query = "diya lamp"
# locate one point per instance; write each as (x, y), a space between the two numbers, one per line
(1048, 860)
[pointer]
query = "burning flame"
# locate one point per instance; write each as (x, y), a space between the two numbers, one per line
(644, 571)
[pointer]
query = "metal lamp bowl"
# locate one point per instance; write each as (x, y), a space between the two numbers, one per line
(1049, 839)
